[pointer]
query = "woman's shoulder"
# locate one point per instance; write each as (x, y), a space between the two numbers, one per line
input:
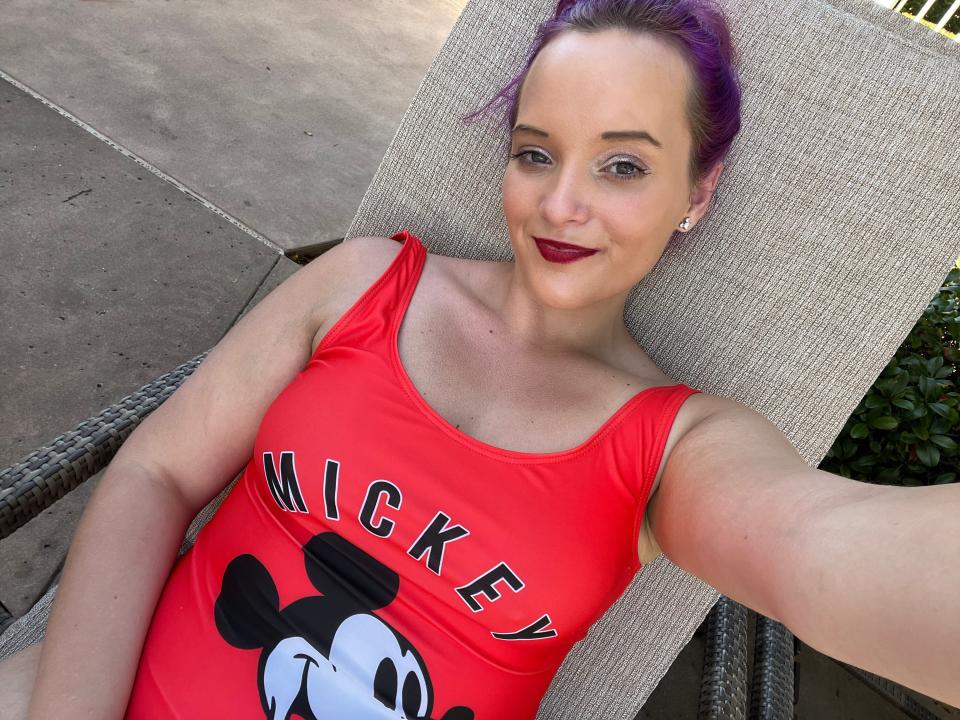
(345, 271)
(367, 250)
(356, 255)
(341, 274)
(366, 257)
(694, 410)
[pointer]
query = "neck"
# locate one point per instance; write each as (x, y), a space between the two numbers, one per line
(595, 329)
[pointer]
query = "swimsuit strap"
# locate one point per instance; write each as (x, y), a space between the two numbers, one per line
(371, 321)
(654, 424)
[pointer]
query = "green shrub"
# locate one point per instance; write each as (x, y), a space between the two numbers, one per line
(903, 430)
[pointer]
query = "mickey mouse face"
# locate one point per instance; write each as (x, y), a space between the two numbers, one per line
(327, 657)
(368, 675)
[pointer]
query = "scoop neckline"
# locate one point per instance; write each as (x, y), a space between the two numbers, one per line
(458, 435)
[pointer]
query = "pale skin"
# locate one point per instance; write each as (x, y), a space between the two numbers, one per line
(533, 356)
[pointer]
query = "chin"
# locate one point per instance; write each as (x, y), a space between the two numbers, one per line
(567, 294)
(560, 286)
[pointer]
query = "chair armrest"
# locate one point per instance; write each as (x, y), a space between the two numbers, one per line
(773, 689)
(723, 688)
(726, 685)
(895, 693)
(50, 472)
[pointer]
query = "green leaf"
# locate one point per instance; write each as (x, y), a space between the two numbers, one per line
(936, 362)
(903, 380)
(865, 461)
(902, 403)
(849, 447)
(945, 479)
(943, 441)
(924, 385)
(884, 422)
(859, 431)
(939, 408)
(928, 454)
(940, 426)
(888, 476)
(918, 412)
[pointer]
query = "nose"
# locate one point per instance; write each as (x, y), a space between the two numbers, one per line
(565, 200)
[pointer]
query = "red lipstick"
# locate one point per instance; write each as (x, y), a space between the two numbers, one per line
(561, 252)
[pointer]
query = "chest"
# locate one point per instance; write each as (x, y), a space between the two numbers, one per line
(465, 366)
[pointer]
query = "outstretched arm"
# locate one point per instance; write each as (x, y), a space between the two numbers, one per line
(867, 574)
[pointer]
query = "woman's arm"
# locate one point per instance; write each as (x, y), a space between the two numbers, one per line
(120, 556)
(878, 585)
(180, 457)
(867, 574)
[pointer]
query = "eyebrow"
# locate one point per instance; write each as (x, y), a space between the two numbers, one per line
(609, 135)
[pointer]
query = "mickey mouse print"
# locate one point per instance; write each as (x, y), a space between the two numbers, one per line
(327, 657)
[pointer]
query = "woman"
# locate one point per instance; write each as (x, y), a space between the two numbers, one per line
(452, 467)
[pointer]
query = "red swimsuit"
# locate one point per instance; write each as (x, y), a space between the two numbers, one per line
(375, 562)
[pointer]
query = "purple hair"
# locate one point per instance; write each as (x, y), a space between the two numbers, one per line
(697, 28)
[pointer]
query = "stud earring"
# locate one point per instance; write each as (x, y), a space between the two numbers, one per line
(685, 225)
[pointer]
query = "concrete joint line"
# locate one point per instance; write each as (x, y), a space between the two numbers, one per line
(144, 164)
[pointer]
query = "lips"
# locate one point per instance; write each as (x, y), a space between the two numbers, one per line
(560, 252)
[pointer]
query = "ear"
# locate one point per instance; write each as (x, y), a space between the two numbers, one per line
(458, 713)
(247, 611)
(337, 567)
(702, 193)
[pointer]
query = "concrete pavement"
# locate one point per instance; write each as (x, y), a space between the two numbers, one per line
(278, 115)
(111, 277)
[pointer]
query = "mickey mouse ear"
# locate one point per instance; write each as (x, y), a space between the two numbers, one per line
(337, 567)
(458, 713)
(248, 599)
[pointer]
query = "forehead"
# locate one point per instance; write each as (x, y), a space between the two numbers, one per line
(607, 80)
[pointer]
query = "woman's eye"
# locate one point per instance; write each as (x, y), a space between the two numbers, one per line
(639, 171)
(526, 158)
(525, 153)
